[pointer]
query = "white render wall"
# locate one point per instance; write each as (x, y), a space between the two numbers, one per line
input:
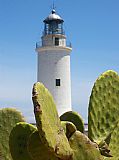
(55, 64)
(49, 40)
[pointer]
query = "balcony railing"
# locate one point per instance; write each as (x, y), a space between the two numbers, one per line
(41, 44)
(44, 33)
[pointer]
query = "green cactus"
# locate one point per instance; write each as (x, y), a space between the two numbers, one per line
(114, 143)
(69, 128)
(37, 149)
(1, 157)
(103, 106)
(75, 118)
(59, 140)
(8, 119)
(83, 148)
(49, 126)
(18, 141)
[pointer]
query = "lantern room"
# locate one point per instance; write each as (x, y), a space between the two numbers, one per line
(53, 24)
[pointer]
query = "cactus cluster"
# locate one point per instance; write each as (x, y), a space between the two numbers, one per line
(9, 117)
(52, 139)
(63, 138)
(74, 144)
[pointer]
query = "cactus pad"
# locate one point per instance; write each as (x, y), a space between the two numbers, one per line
(49, 126)
(75, 118)
(37, 149)
(103, 106)
(69, 128)
(1, 157)
(18, 141)
(114, 143)
(83, 148)
(8, 119)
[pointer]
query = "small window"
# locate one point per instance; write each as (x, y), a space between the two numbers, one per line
(56, 41)
(57, 82)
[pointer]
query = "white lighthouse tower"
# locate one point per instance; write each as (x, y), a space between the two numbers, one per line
(54, 62)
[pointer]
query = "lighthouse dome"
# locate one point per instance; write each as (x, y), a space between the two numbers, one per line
(53, 17)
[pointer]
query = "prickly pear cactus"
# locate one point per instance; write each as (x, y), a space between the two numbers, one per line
(48, 123)
(8, 119)
(83, 148)
(114, 143)
(103, 106)
(37, 149)
(18, 141)
(75, 118)
(1, 157)
(69, 128)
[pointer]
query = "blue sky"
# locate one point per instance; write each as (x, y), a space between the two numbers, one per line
(91, 25)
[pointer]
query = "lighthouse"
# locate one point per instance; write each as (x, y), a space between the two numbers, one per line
(53, 68)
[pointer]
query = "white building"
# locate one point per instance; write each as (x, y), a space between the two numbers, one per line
(54, 62)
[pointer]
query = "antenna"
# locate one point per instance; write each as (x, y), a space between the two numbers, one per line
(53, 5)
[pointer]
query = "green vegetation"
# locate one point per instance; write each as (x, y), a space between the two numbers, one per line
(69, 128)
(48, 122)
(1, 157)
(18, 140)
(8, 119)
(103, 106)
(83, 148)
(114, 143)
(104, 114)
(37, 150)
(62, 138)
(75, 118)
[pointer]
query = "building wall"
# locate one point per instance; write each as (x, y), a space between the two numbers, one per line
(52, 65)
(49, 40)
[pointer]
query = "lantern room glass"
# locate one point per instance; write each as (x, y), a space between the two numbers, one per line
(53, 27)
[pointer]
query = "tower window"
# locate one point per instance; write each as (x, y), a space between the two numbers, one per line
(56, 41)
(58, 82)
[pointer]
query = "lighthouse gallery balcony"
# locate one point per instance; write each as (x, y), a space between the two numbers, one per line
(55, 43)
